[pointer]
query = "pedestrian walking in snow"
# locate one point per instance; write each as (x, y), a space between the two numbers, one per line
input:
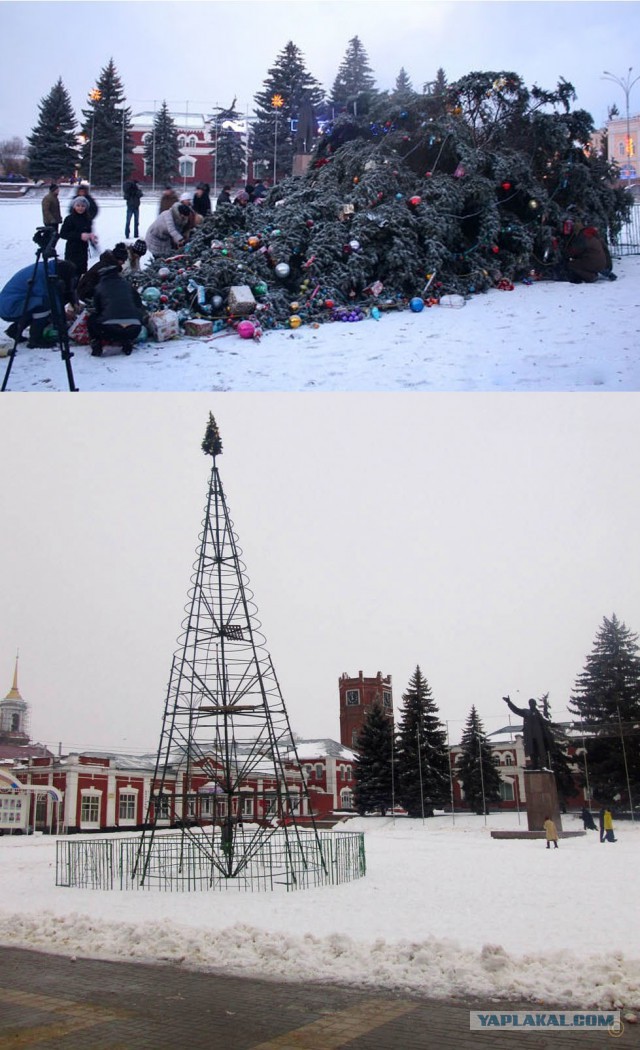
(551, 832)
(132, 195)
(51, 214)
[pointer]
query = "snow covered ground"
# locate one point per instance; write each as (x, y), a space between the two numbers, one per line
(546, 336)
(444, 910)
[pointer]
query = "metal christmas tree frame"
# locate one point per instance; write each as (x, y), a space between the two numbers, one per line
(227, 775)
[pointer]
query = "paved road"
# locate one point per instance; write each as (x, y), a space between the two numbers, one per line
(54, 1003)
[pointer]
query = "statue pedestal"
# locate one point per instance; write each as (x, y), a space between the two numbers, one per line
(541, 799)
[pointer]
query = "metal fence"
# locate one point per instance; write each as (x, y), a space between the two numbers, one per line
(179, 863)
(628, 240)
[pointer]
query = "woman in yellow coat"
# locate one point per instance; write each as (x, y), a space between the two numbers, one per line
(551, 832)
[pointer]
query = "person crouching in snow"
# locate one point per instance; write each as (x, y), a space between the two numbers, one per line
(168, 232)
(551, 832)
(587, 255)
(25, 300)
(118, 313)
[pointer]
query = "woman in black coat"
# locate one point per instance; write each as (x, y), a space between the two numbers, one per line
(201, 199)
(76, 231)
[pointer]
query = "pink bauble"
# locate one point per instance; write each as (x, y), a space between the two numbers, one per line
(246, 329)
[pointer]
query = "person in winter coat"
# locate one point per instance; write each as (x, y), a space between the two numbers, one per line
(587, 255)
(224, 197)
(551, 832)
(132, 195)
(51, 214)
(587, 820)
(201, 203)
(89, 280)
(76, 231)
(260, 191)
(118, 313)
(83, 191)
(24, 305)
(168, 199)
(606, 825)
(167, 233)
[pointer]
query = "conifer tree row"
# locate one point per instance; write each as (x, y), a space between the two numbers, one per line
(478, 768)
(606, 698)
(161, 150)
(53, 152)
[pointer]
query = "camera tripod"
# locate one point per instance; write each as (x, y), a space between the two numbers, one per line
(45, 238)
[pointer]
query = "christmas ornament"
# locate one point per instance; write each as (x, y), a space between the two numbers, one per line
(416, 304)
(295, 321)
(506, 186)
(294, 307)
(282, 270)
(260, 288)
(415, 201)
(216, 302)
(164, 272)
(246, 329)
(151, 295)
(355, 246)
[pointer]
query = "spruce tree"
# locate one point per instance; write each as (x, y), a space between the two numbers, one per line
(288, 90)
(606, 698)
(422, 752)
(161, 151)
(229, 158)
(53, 150)
(373, 769)
(478, 769)
(106, 128)
(354, 85)
(403, 90)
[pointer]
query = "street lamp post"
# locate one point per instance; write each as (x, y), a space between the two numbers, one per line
(122, 117)
(626, 84)
(95, 96)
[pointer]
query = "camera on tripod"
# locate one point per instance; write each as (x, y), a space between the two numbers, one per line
(46, 238)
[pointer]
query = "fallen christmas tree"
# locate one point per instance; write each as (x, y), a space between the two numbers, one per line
(457, 194)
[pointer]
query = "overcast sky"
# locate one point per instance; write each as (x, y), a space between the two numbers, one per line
(481, 536)
(205, 53)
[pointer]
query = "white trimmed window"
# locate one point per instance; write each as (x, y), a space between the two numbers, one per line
(127, 804)
(508, 759)
(346, 798)
(319, 771)
(187, 167)
(90, 809)
(247, 805)
(506, 791)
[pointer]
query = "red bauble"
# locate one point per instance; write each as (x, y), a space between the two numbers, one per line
(329, 303)
(506, 186)
(495, 249)
(415, 201)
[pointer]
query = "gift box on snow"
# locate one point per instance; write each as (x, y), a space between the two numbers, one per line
(163, 325)
(198, 326)
(241, 300)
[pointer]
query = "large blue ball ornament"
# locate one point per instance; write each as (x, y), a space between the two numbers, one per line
(416, 304)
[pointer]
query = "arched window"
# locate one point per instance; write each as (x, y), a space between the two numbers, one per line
(147, 137)
(346, 799)
(508, 759)
(182, 141)
(15, 723)
(193, 142)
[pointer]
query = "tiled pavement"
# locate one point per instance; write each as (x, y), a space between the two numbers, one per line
(54, 1003)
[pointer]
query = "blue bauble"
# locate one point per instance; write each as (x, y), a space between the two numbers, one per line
(416, 304)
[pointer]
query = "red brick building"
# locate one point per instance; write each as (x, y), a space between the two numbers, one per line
(194, 139)
(357, 695)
